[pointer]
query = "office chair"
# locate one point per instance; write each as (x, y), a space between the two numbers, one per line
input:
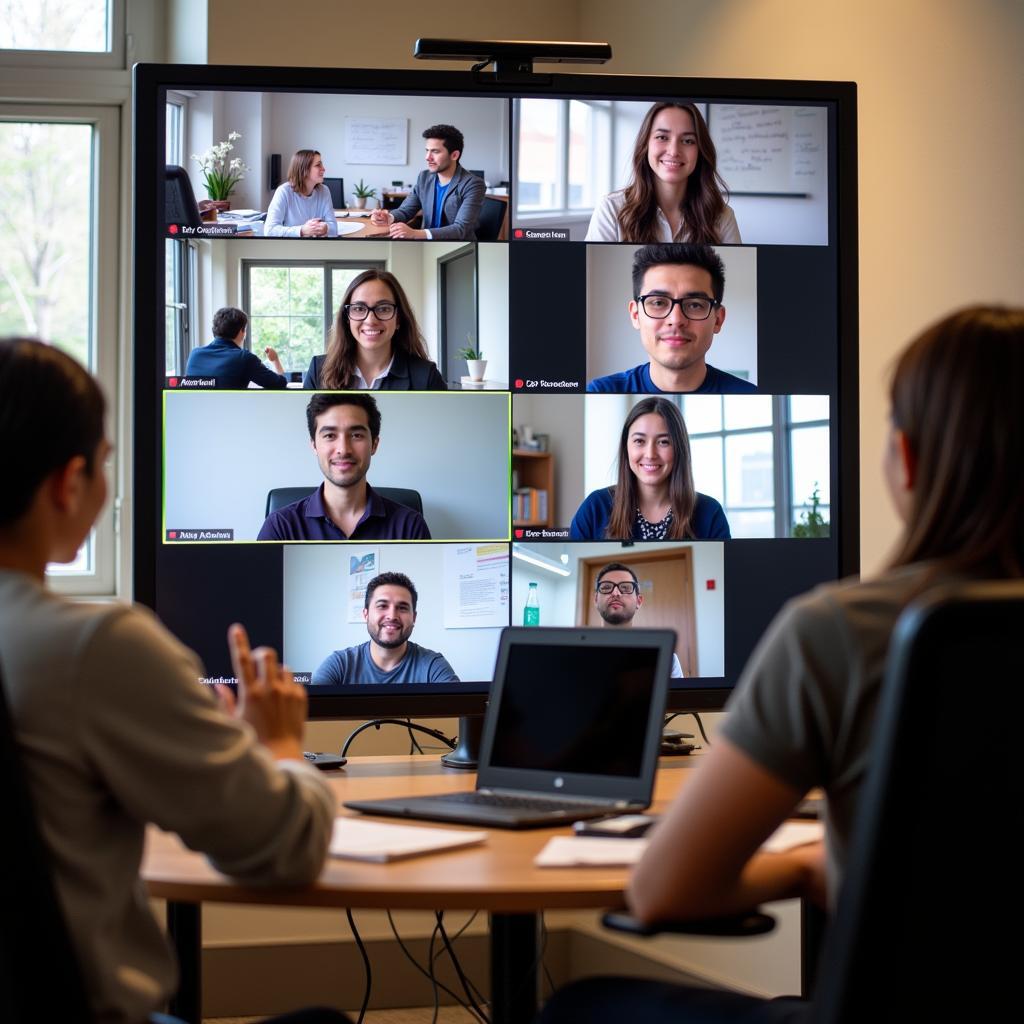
(40, 978)
(279, 497)
(492, 219)
(925, 918)
(180, 206)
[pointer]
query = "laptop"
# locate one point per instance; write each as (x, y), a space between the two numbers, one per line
(572, 731)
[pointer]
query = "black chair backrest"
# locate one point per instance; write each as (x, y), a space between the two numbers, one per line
(40, 979)
(492, 217)
(336, 186)
(279, 497)
(180, 206)
(926, 923)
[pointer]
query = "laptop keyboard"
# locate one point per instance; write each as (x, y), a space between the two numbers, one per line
(518, 803)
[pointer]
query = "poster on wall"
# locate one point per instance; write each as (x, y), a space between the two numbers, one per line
(362, 567)
(476, 585)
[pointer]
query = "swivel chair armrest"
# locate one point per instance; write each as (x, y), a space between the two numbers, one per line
(737, 926)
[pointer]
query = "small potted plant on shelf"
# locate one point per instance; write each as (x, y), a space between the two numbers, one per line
(475, 361)
(360, 193)
(221, 172)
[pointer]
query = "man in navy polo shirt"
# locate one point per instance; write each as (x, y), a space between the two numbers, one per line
(227, 362)
(677, 308)
(344, 431)
(389, 656)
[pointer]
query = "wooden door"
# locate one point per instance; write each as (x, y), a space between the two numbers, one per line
(666, 583)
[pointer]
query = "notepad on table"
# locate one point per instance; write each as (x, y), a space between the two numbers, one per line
(358, 839)
(590, 851)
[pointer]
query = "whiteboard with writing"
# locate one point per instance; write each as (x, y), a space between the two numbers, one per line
(376, 140)
(769, 149)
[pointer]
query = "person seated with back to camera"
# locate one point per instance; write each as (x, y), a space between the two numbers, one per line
(803, 713)
(112, 725)
(344, 432)
(449, 196)
(677, 309)
(302, 207)
(389, 656)
(376, 344)
(230, 365)
(617, 599)
(675, 193)
(654, 498)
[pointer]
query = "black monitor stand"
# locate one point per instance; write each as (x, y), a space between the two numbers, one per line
(467, 752)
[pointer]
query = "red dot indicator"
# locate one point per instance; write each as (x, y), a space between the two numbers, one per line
(519, 534)
(173, 382)
(710, 584)
(518, 233)
(173, 229)
(172, 534)
(519, 382)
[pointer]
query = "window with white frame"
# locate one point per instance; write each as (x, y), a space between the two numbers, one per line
(63, 33)
(762, 457)
(291, 305)
(564, 155)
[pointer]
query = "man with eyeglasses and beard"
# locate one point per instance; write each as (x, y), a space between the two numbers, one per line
(389, 656)
(617, 599)
(677, 308)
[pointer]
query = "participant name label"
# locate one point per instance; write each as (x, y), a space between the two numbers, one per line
(177, 536)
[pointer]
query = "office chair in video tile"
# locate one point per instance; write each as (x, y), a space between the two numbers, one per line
(40, 979)
(926, 923)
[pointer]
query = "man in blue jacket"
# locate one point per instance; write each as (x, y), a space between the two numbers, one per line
(449, 196)
(230, 365)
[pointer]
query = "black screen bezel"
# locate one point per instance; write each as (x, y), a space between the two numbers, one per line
(150, 84)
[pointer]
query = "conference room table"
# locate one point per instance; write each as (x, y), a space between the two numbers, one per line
(498, 876)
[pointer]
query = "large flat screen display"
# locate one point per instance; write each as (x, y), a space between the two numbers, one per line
(421, 355)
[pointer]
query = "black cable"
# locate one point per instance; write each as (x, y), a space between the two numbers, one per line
(419, 967)
(366, 964)
(700, 727)
(476, 991)
(466, 984)
(543, 950)
(404, 723)
(414, 747)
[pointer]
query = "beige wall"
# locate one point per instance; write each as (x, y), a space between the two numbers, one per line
(941, 147)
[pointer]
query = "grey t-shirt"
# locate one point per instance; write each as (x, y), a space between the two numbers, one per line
(804, 708)
(356, 665)
(114, 732)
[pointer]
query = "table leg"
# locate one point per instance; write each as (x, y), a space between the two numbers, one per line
(185, 927)
(515, 957)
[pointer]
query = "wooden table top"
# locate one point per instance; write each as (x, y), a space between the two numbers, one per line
(497, 876)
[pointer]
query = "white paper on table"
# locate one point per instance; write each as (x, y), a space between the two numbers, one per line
(357, 839)
(793, 833)
(589, 851)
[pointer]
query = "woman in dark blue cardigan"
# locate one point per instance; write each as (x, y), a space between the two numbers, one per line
(654, 498)
(375, 337)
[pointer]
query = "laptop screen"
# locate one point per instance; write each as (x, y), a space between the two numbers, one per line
(575, 709)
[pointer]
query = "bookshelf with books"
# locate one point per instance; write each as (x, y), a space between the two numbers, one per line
(533, 496)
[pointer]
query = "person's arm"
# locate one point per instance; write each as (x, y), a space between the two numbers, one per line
(586, 524)
(270, 530)
(235, 788)
(604, 224)
(416, 528)
(467, 216)
(435, 382)
(409, 207)
(326, 211)
(263, 375)
(702, 859)
(276, 225)
(311, 378)
(330, 671)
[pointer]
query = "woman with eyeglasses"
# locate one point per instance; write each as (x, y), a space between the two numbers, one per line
(804, 711)
(675, 193)
(376, 343)
(302, 207)
(654, 498)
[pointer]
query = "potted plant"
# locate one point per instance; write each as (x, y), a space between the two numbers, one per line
(812, 522)
(360, 193)
(221, 173)
(475, 361)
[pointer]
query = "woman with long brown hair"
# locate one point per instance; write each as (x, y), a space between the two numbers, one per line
(375, 343)
(675, 193)
(302, 206)
(804, 710)
(654, 498)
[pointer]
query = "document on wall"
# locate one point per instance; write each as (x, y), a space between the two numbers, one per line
(358, 839)
(362, 567)
(476, 590)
